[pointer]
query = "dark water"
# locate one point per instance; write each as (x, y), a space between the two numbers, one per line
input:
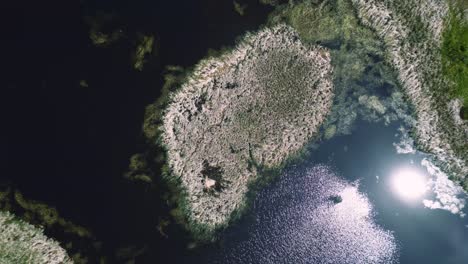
(68, 146)
(295, 220)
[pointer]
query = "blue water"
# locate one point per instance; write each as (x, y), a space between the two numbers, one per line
(297, 220)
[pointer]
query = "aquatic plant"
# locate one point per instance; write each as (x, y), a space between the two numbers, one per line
(23, 243)
(138, 169)
(207, 123)
(102, 32)
(144, 48)
(239, 8)
(270, 2)
(365, 86)
(84, 84)
(79, 242)
(257, 104)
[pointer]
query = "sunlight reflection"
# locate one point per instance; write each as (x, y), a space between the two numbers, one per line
(409, 184)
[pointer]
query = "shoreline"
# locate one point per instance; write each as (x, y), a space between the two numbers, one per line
(332, 127)
(248, 143)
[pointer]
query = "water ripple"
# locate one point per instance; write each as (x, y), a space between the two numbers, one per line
(311, 216)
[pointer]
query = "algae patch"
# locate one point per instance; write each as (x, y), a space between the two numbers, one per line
(145, 47)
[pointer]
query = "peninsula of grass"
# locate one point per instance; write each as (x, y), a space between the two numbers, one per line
(454, 52)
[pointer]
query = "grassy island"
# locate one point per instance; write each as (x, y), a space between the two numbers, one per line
(243, 113)
(21, 242)
(251, 107)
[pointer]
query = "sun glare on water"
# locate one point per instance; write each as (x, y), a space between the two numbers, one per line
(409, 184)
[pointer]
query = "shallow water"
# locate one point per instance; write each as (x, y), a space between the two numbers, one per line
(297, 219)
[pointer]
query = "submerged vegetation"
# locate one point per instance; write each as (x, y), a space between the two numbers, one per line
(239, 8)
(152, 163)
(79, 242)
(145, 47)
(105, 29)
(138, 169)
(413, 33)
(102, 30)
(174, 77)
(365, 86)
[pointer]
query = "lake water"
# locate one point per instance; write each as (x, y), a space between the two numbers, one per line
(299, 219)
(75, 144)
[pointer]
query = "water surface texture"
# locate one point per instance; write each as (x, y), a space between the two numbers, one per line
(302, 220)
(338, 206)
